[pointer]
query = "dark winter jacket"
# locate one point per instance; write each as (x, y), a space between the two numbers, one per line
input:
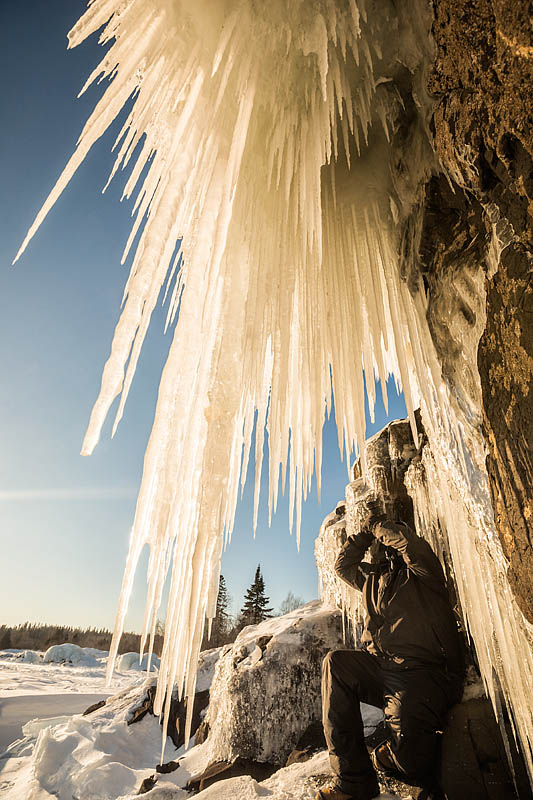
(409, 620)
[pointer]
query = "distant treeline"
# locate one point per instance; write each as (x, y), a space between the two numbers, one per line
(224, 629)
(39, 636)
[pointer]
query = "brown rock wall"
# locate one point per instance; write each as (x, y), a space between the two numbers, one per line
(482, 83)
(505, 361)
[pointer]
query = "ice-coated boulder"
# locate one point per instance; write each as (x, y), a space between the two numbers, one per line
(70, 654)
(129, 661)
(328, 543)
(29, 657)
(266, 688)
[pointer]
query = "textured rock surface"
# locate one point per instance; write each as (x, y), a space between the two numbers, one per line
(506, 368)
(476, 246)
(266, 689)
(176, 715)
(482, 80)
(474, 763)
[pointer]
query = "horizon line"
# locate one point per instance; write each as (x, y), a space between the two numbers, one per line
(63, 493)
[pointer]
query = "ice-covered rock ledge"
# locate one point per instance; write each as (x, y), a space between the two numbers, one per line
(266, 688)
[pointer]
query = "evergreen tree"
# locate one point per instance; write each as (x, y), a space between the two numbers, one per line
(255, 608)
(5, 638)
(222, 623)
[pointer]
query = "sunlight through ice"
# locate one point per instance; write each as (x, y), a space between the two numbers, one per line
(259, 137)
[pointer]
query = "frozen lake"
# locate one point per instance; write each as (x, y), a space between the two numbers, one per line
(16, 711)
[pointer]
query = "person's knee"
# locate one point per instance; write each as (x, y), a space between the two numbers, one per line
(334, 662)
(328, 662)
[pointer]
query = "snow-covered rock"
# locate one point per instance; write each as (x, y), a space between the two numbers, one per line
(296, 782)
(29, 657)
(102, 756)
(133, 661)
(266, 689)
(206, 668)
(328, 543)
(71, 654)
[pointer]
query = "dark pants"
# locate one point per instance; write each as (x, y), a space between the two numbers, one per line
(415, 702)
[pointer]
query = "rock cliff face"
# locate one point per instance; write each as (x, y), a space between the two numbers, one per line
(468, 236)
(505, 360)
(476, 246)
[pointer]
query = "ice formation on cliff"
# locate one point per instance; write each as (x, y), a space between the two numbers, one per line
(269, 209)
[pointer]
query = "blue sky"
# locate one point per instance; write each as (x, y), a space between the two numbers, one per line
(64, 519)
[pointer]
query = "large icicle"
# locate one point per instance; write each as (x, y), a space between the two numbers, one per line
(265, 130)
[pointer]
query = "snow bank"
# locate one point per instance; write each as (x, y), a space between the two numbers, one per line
(102, 756)
(29, 657)
(98, 756)
(133, 661)
(71, 654)
(21, 656)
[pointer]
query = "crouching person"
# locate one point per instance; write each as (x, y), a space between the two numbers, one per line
(411, 662)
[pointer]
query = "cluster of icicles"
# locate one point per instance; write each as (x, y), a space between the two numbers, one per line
(271, 238)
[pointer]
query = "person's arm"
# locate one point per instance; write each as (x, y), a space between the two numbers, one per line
(349, 564)
(415, 551)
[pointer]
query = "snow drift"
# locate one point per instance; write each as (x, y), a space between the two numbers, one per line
(72, 654)
(129, 661)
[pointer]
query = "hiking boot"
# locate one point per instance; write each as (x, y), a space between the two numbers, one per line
(332, 793)
(383, 760)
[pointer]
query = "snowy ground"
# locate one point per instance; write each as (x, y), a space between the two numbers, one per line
(100, 756)
(32, 688)
(20, 677)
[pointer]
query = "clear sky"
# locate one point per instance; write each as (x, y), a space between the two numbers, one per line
(64, 519)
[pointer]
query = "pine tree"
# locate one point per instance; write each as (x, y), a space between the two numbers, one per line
(255, 608)
(5, 637)
(222, 621)
(221, 627)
